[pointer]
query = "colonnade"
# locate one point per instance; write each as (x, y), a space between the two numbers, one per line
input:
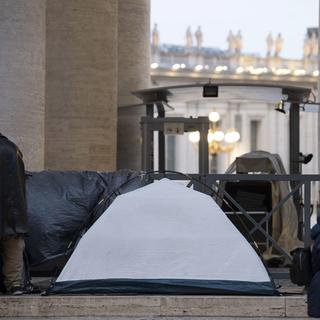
(65, 67)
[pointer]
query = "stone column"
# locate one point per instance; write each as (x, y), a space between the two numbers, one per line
(81, 85)
(22, 72)
(133, 74)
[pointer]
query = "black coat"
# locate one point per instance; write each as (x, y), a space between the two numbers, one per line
(314, 289)
(315, 236)
(13, 210)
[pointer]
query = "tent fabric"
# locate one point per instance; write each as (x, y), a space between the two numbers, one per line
(284, 220)
(164, 286)
(164, 238)
(61, 204)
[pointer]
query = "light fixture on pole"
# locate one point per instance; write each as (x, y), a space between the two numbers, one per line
(305, 158)
(280, 107)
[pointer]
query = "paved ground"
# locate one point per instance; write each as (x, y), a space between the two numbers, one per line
(286, 287)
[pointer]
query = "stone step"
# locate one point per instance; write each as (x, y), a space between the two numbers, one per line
(152, 306)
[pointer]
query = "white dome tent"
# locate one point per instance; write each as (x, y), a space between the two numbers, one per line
(164, 238)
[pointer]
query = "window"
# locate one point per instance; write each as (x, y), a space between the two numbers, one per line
(255, 134)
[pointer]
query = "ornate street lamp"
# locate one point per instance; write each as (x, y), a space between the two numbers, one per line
(218, 140)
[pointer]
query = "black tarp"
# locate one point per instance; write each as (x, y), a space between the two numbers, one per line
(62, 205)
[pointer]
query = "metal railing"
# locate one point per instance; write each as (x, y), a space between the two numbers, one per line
(301, 185)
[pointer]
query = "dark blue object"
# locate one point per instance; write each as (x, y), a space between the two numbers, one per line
(314, 289)
(163, 286)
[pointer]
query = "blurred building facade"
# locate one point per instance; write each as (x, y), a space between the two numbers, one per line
(259, 125)
(67, 70)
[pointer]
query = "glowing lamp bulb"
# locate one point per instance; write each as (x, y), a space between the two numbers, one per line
(194, 136)
(214, 116)
(218, 136)
(232, 136)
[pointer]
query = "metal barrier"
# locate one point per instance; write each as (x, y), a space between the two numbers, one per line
(301, 184)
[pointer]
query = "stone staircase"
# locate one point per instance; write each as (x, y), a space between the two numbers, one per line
(153, 306)
(292, 304)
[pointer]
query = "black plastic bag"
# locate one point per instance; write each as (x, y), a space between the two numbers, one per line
(62, 205)
(301, 269)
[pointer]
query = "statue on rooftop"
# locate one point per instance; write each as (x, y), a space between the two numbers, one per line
(189, 40)
(239, 43)
(199, 37)
(314, 44)
(231, 42)
(307, 47)
(155, 36)
(278, 45)
(270, 43)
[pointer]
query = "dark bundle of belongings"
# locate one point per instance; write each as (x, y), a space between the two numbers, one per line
(13, 215)
(61, 207)
(314, 288)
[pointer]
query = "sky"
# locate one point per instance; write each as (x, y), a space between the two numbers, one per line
(255, 19)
